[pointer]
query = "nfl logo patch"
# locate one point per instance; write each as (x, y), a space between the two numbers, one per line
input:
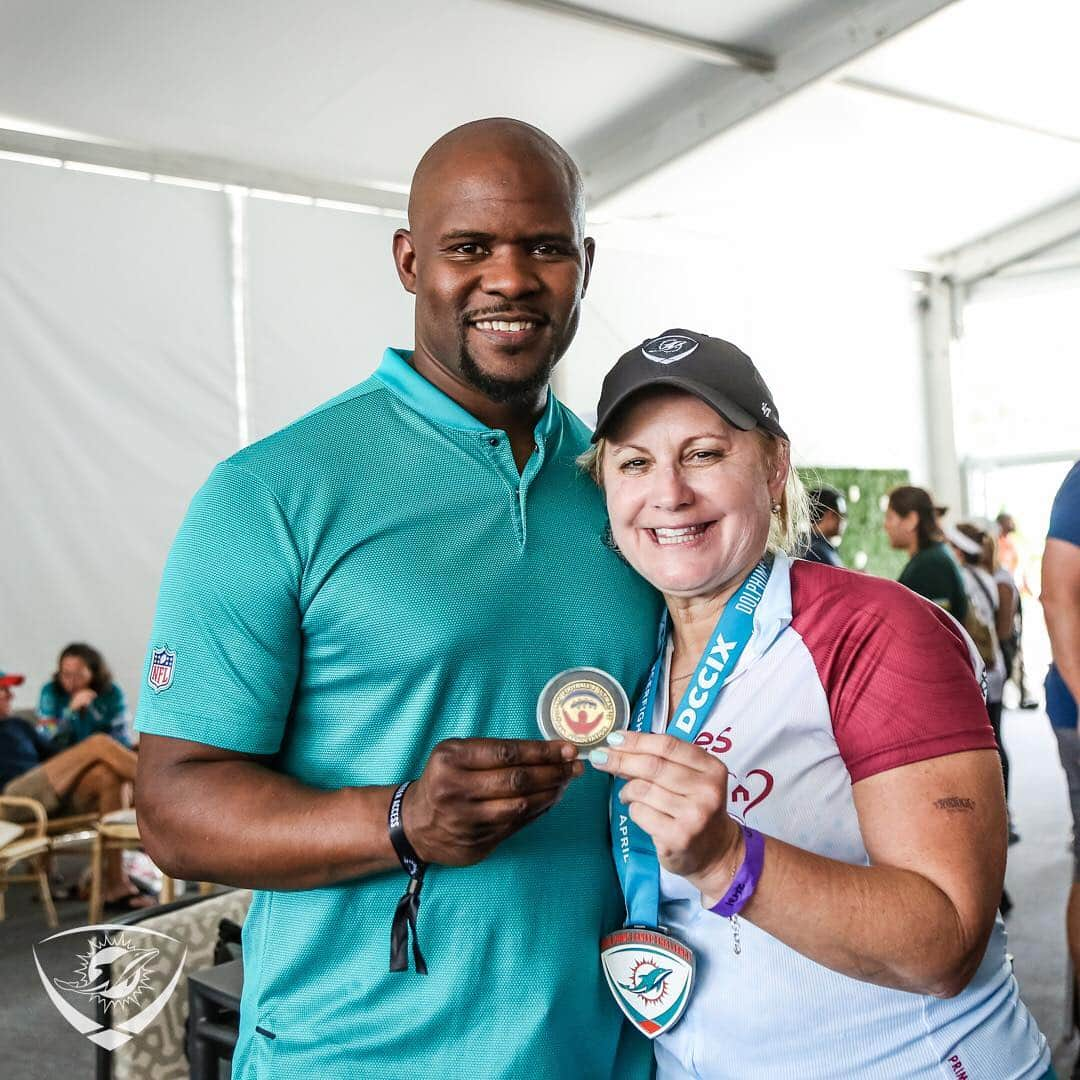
(161, 669)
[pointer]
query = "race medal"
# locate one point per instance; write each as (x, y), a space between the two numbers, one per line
(651, 975)
(583, 706)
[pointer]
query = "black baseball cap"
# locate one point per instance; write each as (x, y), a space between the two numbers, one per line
(823, 499)
(709, 368)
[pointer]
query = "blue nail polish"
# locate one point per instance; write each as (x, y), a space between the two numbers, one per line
(598, 757)
(616, 738)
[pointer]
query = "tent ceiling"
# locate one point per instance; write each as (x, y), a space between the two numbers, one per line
(352, 92)
(842, 175)
(904, 171)
(337, 89)
(994, 57)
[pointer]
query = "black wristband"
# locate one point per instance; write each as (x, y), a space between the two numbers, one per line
(411, 863)
(409, 904)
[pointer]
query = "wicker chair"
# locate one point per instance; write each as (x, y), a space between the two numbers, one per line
(29, 844)
(118, 831)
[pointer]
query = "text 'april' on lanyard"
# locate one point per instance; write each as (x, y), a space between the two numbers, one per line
(635, 854)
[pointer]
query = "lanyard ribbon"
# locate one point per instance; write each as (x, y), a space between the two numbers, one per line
(635, 854)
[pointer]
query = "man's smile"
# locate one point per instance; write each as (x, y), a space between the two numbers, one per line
(512, 328)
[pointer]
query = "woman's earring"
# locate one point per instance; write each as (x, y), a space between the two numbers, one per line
(776, 508)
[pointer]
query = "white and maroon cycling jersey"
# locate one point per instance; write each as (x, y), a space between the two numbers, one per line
(845, 676)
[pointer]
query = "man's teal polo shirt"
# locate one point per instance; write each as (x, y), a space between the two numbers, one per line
(346, 593)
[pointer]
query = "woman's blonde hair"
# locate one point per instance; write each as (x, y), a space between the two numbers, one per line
(789, 527)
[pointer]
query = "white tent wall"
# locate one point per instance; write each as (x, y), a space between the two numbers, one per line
(117, 383)
(838, 343)
(117, 350)
(323, 302)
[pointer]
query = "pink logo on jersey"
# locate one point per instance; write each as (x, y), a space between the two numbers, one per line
(758, 783)
(958, 1068)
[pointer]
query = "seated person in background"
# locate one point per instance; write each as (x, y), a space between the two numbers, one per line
(911, 525)
(81, 699)
(828, 516)
(86, 778)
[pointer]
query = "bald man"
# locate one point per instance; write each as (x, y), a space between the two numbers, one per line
(354, 625)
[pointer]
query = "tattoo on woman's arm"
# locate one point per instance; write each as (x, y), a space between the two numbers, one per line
(954, 803)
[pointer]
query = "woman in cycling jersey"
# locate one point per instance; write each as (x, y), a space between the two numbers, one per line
(809, 799)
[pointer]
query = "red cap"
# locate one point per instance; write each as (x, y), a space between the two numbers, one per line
(11, 680)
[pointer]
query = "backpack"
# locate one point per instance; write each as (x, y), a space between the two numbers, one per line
(982, 636)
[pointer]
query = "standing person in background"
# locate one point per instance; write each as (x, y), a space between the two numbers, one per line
(1061, 604)
(1008, 610)
(81, 699)
(828, 517)
(1008, 597)
(911, 525)
(1009, 574)
(970, 545)
(1008, 556)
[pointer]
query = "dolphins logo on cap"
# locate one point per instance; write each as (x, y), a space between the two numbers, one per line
(669, 348)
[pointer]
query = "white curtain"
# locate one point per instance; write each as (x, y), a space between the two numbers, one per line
(323, 302)
(836, 342)
(118, 380)
(117, 390)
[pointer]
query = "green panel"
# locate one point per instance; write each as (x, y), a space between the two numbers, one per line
(865, 490)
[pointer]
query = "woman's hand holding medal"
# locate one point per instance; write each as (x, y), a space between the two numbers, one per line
(677, 793)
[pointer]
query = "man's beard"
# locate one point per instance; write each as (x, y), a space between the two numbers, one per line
(506, 391)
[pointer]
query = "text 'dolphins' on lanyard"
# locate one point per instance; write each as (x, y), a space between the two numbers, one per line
(649, 972)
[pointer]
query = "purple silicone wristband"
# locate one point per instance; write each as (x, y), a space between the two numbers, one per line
(746, 878)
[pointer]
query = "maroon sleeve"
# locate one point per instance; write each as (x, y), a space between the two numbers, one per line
(895, 668)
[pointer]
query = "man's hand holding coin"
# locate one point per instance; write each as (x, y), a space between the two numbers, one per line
(474, 793)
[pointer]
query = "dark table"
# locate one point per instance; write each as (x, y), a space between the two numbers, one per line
(213, 1017)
